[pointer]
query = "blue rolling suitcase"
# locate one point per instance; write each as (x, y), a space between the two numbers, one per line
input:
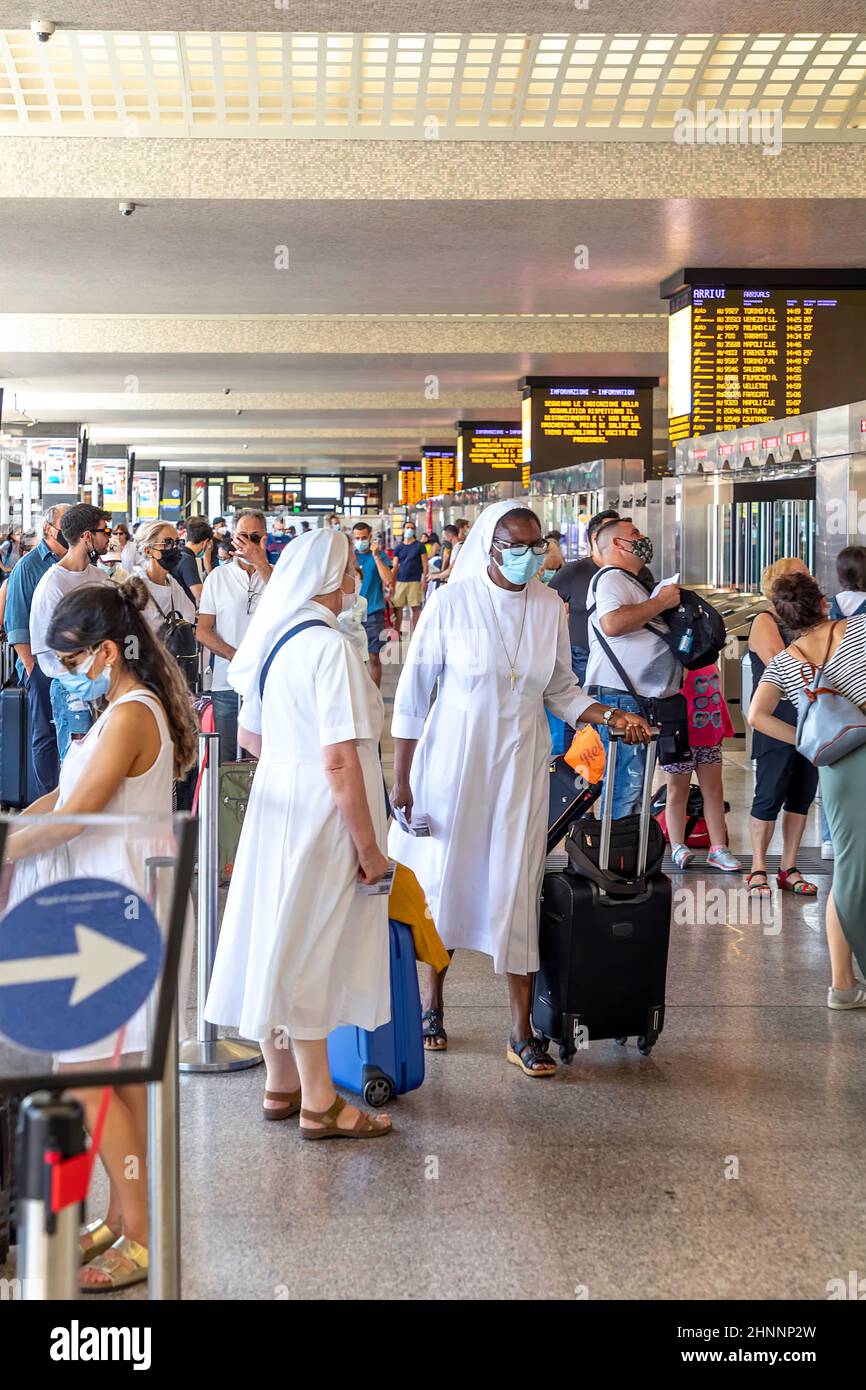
(390, 1061)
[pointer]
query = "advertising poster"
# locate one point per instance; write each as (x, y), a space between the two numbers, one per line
(113, 485)
(57, 463)
(145, 496)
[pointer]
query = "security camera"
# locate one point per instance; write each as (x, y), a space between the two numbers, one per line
(126, 209)
(43, 29)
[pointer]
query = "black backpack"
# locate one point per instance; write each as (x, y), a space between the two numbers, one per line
(178, 638)
(696, 632)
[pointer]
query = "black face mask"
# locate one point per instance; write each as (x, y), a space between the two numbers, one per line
(60, 538)
(169, 559)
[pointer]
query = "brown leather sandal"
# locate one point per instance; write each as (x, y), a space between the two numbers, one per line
(285, 1111)
(365, 1127)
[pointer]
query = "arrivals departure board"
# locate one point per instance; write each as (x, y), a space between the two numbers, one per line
(743, 354)
(439, 468)
(573, 421)
(411, 484)
(488, 452)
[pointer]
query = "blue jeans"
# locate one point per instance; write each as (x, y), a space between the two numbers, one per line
(68, 723)
(579, 658)
(44, 763)
(226, 707)
(825, 825)
(630, 757)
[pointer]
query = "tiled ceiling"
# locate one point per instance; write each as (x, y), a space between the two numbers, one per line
(493, 86)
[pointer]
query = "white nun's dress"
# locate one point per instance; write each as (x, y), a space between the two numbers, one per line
(299, 948)
(480, 770)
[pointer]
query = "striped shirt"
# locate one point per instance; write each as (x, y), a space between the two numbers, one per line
(845, 671)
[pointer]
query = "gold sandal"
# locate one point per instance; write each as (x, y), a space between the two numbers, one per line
(285, 1111)
(102, 1237)
(364, 1127)
(124, 1252)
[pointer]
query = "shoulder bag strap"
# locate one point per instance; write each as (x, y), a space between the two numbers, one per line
(814, 671)
(292, 632)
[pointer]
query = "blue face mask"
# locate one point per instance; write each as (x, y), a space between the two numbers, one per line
(363, 546)
(81, 686)
(519, 569)
(408, 535)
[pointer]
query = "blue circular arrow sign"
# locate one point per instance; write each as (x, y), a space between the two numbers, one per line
(76, 961)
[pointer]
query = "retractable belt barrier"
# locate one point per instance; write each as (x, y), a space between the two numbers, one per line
(207, 1051)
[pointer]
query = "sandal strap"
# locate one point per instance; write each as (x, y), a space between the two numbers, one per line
(535, 1047)
(282, 1095)
(121, 1258)
(325, 1117)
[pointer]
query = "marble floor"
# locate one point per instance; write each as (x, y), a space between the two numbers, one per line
(728, 1164)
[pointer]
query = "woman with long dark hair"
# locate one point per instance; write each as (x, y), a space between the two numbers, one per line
(839, 649)
(125, 766)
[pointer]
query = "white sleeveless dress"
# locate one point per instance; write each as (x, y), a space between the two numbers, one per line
(98, 853)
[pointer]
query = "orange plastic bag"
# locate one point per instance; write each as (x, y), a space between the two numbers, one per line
(586, 754)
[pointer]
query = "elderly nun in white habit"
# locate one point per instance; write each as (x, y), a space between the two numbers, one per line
(300, 950)
(494, 641)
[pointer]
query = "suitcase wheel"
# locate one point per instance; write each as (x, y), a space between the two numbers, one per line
(566, 1056)
(620, 1042)
(378, 1090)
(645, 1045)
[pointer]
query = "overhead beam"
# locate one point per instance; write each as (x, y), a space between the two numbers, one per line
(140, 169)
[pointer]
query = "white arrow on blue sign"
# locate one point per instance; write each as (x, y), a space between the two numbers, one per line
(76, 961)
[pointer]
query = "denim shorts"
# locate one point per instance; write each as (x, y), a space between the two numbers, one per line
(375, 626)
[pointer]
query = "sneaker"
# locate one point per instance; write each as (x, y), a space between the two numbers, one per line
(827, 850)
(847, 998)
(683, 856)
(720, 857)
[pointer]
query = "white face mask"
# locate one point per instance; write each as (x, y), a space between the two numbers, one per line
(347, 601)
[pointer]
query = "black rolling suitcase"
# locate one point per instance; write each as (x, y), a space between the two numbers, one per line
(604, 930)
(14, 749)
(8, 1116)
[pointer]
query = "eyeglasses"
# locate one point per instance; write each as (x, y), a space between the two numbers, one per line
(253, 596)
(101, 531)
(254, 537)
(518, 551)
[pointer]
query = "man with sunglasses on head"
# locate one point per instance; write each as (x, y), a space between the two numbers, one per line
(229, 599)
(87, 534)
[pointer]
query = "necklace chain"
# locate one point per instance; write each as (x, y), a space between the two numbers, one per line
(512, 674)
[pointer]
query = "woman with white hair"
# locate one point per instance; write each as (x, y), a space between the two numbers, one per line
(496, 646)
(301, 951)
(157, 551)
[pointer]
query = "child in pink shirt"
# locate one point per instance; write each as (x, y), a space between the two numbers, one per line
(709, 724)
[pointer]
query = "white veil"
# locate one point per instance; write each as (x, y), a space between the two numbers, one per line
(313, 564)
(474, 554)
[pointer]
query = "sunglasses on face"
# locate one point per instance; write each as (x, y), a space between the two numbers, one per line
(101, 531)
(70, 661)
(254, 537)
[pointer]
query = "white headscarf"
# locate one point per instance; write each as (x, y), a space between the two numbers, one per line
(473, 556)
(313, 564)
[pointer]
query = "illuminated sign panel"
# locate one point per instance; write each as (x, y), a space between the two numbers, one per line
(439, 469)
(489, 452)
(576, 421)
(411, 484)
(763, 351)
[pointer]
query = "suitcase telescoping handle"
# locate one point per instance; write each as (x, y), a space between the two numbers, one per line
(616, 736)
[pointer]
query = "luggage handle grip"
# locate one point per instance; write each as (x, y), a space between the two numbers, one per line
(615, 735)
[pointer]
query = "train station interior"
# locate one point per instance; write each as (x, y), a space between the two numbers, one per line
(393, 265)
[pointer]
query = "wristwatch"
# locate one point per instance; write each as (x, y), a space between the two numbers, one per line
(608, 715)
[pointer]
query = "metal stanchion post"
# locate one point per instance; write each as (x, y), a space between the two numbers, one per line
(163, 1129)
(50, 1130)
(209, 1052)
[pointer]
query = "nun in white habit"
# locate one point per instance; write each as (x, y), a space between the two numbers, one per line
(300, 950)
(494, 642)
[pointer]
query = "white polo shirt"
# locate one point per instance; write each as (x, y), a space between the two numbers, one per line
(231, 594)
(54, 585)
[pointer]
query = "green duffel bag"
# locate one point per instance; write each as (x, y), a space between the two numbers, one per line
(236, 779)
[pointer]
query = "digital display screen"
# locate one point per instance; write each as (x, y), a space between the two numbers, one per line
(489, 452)
(439, 470)
(741, 356)
(411, 484)
(568, 422)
